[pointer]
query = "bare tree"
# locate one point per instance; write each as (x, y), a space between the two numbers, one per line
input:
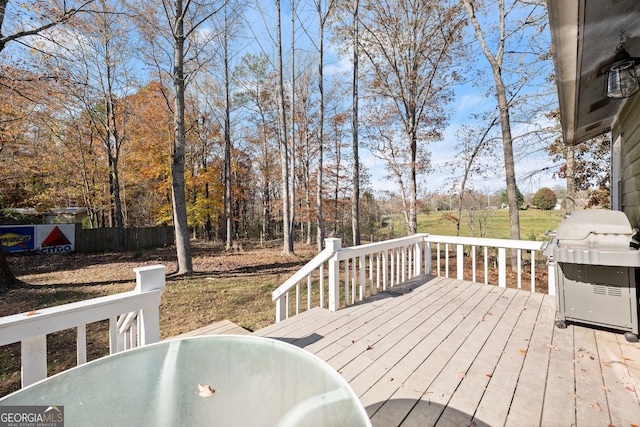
(355, 196)
(323, 11)
(510, 42)
(287, 224)
(496, 60)
(409, 47)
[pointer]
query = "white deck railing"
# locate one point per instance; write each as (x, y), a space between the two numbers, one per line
(358, 272)
(133, 316)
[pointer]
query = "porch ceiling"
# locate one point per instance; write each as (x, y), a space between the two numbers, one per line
(584, 36)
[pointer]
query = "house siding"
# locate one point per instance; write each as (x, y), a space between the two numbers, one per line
(628, 128)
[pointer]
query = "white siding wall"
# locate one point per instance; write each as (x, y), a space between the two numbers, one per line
(627, 128)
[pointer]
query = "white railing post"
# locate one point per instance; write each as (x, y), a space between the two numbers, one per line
(551, 276)
(81, 344)
(33, 352)
(148, 279)
(460, 262)
(502, 267)
(334, 245)
(385, 270)
(427, 258)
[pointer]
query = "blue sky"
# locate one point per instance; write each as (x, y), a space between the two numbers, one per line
(469, 99)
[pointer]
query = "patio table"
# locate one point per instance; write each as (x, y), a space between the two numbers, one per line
(220, 380)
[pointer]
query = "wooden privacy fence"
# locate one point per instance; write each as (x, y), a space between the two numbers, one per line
(104, 239)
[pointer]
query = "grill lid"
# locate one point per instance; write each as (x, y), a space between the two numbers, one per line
(600, 225)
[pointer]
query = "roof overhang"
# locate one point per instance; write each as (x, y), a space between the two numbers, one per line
(584, 36)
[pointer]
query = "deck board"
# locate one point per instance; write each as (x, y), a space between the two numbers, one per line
(223, 327)
(446, 352)
(528, 398)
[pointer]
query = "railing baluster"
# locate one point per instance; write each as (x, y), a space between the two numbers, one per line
(385, 270)
(519, 269)
(81, 344)
(354, 267)
(371, 262)
(378, 271)
(392, 257)
(460, 262)
(361, 277)
(486, 265)
(309, 292)
(321, 285)
(502, 267)
(404, 264)
(286, 298)
(446, 260)
(473, 262)
(533, 271)
(347, 279)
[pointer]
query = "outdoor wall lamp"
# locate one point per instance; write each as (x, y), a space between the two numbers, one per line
(621, 77)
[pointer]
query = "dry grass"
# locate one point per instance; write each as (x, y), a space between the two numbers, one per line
(236, 286)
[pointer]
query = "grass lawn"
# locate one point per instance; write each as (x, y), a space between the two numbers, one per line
(533, 223)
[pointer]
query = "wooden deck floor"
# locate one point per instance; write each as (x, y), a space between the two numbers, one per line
(451, 353)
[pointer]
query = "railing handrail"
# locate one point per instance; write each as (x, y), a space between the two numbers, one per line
(531, 245)
(316, 262)
(366, 249)
(18, 327)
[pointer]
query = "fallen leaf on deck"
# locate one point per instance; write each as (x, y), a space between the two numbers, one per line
(369, 347)
(488, 375)
(553, 347)
(596, 406)
(31, 313)
(606, 389)
(635, 425)
(205, 390)
(462, 375)
(625, 357)
(631, 389)
(522, 352)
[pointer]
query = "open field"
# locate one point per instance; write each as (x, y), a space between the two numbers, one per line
(533, 223)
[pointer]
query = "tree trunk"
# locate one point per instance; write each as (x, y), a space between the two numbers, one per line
(319, 219)
(570, 196)
(283, 143)
(507, 142)
(292, 149)
(183, 246)
(355, 196)
(7, 279)
(413, 186)
(228, 211)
